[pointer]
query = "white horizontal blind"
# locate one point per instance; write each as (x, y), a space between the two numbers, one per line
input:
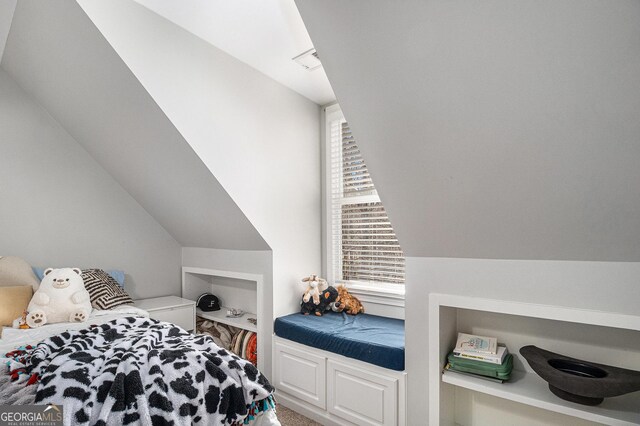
(355, 176)
(365, 247)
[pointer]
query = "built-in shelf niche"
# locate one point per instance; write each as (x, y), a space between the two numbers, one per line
(601, 337)
(235, 290)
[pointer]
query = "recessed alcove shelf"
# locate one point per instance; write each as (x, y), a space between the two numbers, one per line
(234, 289)
(221, 317)
(607, 338)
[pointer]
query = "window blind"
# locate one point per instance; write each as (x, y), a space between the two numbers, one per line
(355, 176)
(365, 247)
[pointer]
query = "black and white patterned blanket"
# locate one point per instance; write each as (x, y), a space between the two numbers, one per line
(142, 371)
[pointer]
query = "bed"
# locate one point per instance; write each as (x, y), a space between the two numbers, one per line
(121, 367)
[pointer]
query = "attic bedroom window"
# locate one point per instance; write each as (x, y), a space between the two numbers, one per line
(362, 248)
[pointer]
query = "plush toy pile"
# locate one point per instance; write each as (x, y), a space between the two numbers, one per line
(320, 297)
(325, 301)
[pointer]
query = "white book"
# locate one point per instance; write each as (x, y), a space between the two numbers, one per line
(497, 358)
(478, 344)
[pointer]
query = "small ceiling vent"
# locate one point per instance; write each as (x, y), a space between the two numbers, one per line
(309, 60)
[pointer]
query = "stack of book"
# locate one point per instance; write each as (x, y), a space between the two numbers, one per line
(480, 356)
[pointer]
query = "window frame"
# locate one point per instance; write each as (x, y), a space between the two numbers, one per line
(383, 293)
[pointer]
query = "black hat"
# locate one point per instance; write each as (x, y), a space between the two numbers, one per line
(208, 302)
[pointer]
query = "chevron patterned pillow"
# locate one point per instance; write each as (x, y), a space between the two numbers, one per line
(104, 291)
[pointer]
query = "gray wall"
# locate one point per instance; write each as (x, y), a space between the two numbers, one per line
(60, 208)
(494, 130)
(6, 15)
(57, 55)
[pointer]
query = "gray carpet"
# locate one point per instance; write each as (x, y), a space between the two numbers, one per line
(289, 417)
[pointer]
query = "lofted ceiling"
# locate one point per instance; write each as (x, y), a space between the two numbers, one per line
(264, 34)
(59, 57)
(494, 129)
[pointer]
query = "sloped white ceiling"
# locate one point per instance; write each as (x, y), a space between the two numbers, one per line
(259, 138)
(57, 55)
(264, 34)
(494, 129)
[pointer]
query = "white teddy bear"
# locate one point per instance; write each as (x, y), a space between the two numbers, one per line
(61, 297)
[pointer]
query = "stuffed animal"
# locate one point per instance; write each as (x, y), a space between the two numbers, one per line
(61, 297)
(347, 302)
(21, 322)
(315, 285)
(328, 296)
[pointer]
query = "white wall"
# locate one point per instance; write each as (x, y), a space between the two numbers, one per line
(60, 208)
(248, 261)
(258, 138)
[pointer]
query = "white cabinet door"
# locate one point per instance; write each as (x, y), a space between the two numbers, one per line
(362, 397)
(300, 374)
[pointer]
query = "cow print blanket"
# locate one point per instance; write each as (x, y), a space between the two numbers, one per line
(142, 371)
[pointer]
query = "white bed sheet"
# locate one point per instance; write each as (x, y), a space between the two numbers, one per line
(13, 337)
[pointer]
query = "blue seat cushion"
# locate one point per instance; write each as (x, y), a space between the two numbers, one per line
(369, 338)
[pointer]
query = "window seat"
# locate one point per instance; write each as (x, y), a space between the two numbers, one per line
(369, 338)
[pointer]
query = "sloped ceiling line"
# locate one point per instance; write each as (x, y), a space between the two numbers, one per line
(57, 54)
(246, 128)
(264, 34)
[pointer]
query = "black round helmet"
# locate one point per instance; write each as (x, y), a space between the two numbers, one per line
(208, 302)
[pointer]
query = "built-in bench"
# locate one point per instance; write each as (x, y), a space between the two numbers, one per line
(369, 338)
(341, 369)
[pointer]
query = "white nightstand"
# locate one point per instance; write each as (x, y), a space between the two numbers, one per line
(173, 309)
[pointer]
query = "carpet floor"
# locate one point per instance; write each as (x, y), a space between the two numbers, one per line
(289, 417)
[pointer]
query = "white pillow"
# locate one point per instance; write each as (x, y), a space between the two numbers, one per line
(15, 271)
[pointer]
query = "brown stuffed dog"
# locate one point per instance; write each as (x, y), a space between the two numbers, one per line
(347, 302)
